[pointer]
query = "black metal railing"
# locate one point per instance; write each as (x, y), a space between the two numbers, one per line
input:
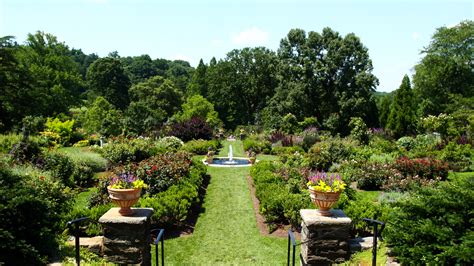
(75, 232)
(375, 223)
(159, 238)
(291, 242)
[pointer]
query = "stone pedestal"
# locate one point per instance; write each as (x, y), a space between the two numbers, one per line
(127, 238)
(325, 239)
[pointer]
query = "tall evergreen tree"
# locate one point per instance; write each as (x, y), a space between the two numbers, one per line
(384, 110)
(401, 119)
(198, 84)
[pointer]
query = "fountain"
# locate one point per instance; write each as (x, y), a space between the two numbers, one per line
(229, 161)
(231, 155)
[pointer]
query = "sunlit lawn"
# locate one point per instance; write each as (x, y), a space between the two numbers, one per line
(226, 231)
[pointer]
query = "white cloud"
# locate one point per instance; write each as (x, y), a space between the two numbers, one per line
(415, 36)
(252, 36)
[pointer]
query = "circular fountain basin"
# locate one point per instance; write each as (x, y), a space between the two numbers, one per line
(225, 162)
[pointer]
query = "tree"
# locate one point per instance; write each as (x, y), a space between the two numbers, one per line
(402, 119)
(83, 60)
(106, 78)
(446, 68)
(15, 94)
(102, 118)
(152, 102)
(158, 93)
(180, 72)
(241, 85)
(384, 109)
(198, 84)
(198, 106)
(56, 82)
(140, 68)
(323, 75)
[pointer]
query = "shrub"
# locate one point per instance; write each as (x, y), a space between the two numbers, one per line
(310, 137)
(359, 130)
(426, 168)
(194, 128)
(60, 132)
(257, 145)
(280, 199)
(364, 208)
(373, 176)
(173, 206)
(31, 214)
(7, 142)
(123, 151)
(382, 144)
(201, 147)
(83, 176)
(323, 154)
(406, 143)
(162, 171)
(434, 225)
(417, 172)
(171, 143)
(276, 136)
(308, 122)
(59, 165)
(458, 156)
(25, 151)
(81, 143)
(276, 150)
(289, 124)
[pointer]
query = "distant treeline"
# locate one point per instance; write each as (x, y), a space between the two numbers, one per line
(319, 75)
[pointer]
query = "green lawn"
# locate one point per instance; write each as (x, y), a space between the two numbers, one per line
(226, 231)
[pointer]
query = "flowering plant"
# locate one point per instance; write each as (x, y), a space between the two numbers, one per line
(126, 180)
(324, 182)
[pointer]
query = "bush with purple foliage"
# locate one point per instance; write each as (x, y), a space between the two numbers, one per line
(194, 128)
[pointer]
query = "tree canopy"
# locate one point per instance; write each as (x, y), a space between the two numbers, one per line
(446, 70)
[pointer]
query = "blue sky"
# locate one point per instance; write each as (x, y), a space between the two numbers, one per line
(393, 31)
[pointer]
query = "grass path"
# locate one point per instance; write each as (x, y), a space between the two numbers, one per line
(226, 231)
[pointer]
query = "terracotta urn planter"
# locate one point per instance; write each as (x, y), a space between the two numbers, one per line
(124, 198)
(324, 200)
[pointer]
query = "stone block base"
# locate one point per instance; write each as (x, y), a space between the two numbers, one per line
(325, 239)
(127, 238)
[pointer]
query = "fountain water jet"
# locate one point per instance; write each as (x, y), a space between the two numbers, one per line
(231, 154)
(229, 161)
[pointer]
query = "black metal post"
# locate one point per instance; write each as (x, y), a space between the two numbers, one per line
(291, 238)
(374, 248)
(76, 236)
(288, 256)
(159, 238)
(376, 234)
